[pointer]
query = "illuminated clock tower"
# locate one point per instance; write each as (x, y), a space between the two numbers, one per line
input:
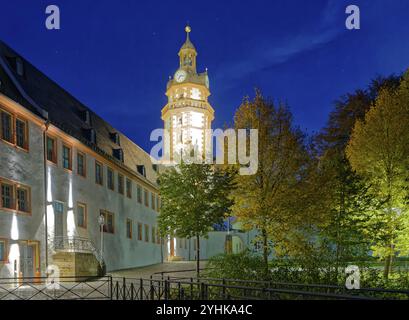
(188, 113)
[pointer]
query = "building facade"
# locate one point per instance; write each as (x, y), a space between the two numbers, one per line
(62, 167)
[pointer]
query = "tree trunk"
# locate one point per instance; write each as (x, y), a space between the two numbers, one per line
(198, 256)
(388, 264)
(265, 251)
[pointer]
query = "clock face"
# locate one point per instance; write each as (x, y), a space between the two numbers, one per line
(180, 75)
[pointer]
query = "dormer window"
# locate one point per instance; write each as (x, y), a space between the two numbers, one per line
(19, 66)
(118, 154)
(115, 138)
(90, 135)
(85, 116)
(141, 170)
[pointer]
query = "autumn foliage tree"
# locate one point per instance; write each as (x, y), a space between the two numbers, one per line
(379, 152)
(267, 200)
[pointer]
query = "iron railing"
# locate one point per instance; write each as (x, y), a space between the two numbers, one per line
(62, 288)
(75, 244)
(112, 288)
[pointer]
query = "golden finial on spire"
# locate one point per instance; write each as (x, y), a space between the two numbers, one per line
(188, 29)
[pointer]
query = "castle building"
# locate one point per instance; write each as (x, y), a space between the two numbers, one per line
(75, 193)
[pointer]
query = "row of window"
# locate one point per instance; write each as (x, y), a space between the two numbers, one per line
(15, 196)
(144, 232)
(13, 129)
(124, 185)
(149, 234)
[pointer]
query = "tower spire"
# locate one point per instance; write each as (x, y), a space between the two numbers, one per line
(188, 52)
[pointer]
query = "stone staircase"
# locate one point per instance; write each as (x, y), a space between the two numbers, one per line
(75, 257)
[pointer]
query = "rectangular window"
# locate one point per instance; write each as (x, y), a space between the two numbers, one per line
(153, 237)
(129, 228)
(146, 233)
(7, 196)
(23, 199)
(128, 188)
(6, 127)
(81, 164)
(180, 243)
(110, 179)
(82, 215)
(109, 221)
(99, 178)
(3, 253)
(51, 150)
(66, 157)
(140, 231)
(21, 134)
(153, 202)
(139, 193)
(157, 236)
(146, 196)
(120, 183)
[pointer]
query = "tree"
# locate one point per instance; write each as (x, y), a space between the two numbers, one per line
(194, 197)
(268, 199)
(344, 195)
(379, 152)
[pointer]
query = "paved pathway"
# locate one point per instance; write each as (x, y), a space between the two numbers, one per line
(146, 272)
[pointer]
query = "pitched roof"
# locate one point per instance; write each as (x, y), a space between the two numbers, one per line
(44, 97)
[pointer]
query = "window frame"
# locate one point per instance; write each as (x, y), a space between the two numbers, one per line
(101, 171)
(27, 200)
(147, 233)
(12, 130)
(106, 213)
(12, 196)
(121, 183)
(26, 134)
(69, 148)
(110, 178)
(153, 234)
(54, 159)
(5, 258)
(128, 187)
(139, 195)
(153, 201)
(84, 164)
(15, 186)
(146, 197)
(140, 231)
(14, 117)
(84, 206)
(129, 232)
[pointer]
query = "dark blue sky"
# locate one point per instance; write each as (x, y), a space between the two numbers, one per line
(116, 56)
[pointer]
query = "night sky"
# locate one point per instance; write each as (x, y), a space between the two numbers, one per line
(116, 56)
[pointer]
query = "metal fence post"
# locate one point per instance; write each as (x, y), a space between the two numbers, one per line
(124, 288)
(166, 290)
(152, 289)
(179, 291)
(132, 291)
(110, 289)
(141, 289)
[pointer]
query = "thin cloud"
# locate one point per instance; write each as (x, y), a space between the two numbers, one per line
(272, 53)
